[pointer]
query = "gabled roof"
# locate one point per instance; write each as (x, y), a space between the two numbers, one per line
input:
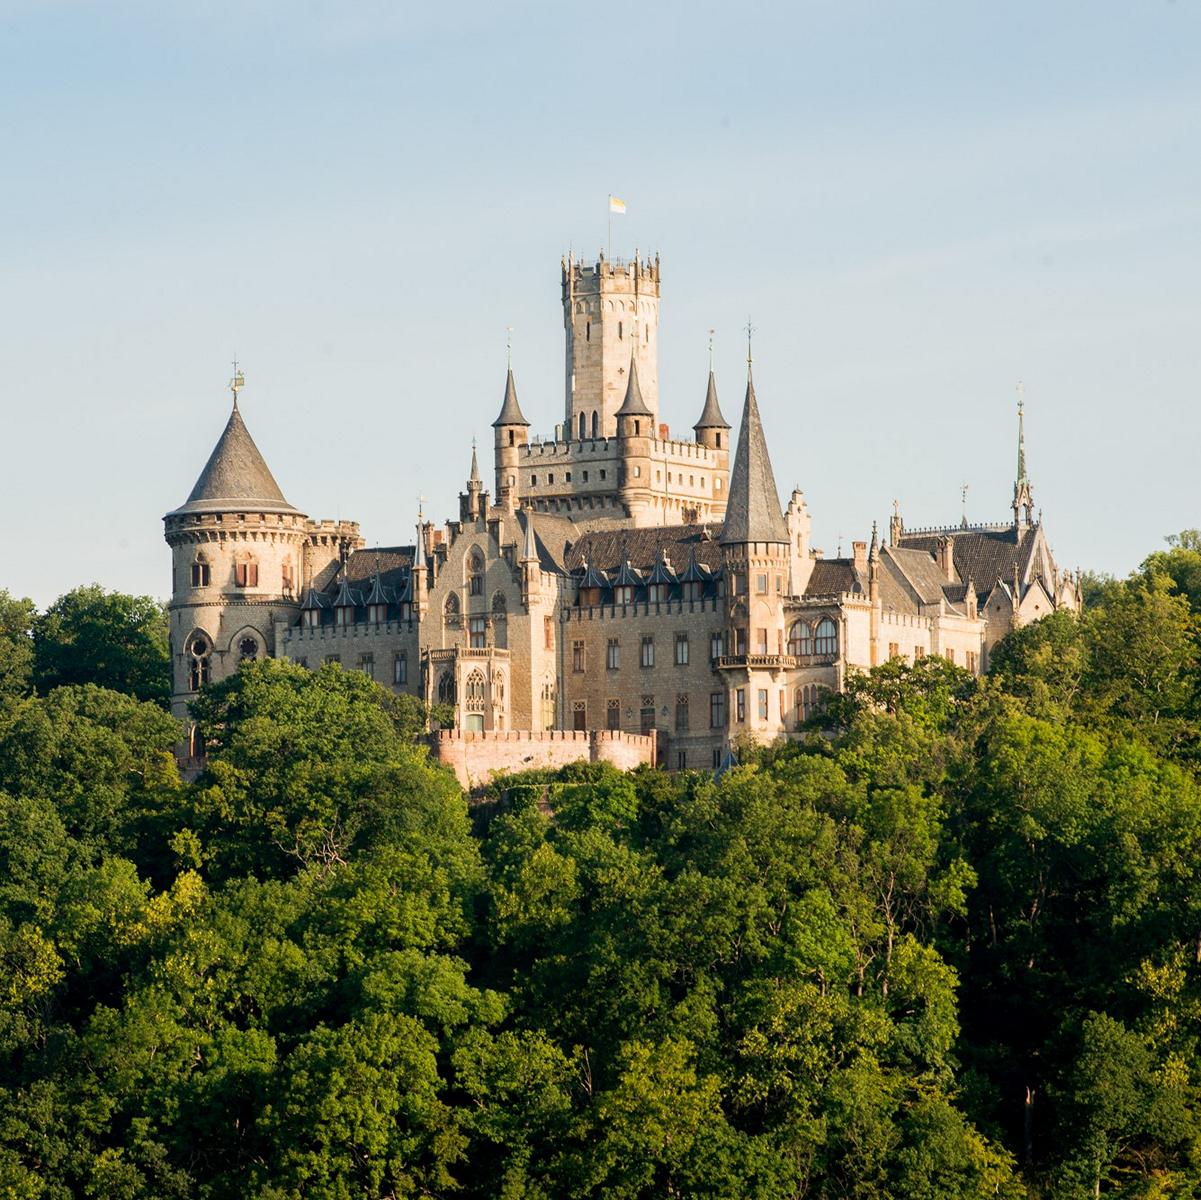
(510, 410)
(983, 555)
(608, 549)
(634, 405)
(753, 504)
(235, 476)
(711, 416)
(833, 576)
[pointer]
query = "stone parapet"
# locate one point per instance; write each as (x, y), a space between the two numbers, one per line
(476, 756)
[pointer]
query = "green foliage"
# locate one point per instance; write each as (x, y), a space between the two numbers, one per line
(90, 636)
(948, 947)
(16, 647)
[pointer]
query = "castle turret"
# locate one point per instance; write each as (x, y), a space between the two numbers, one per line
(238, 555)
(712, 429)
(512, 431)
(800, 555)
(635, 432)
(473, 502)
(610, 313)
(755, 548)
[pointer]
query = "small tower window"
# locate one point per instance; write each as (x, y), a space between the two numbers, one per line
(718, 443)
(595, 423)
(246, 572)
(512, 437)
(198, 673)
(201, 573)
(620, 333)
(588, 331)
(583, 426)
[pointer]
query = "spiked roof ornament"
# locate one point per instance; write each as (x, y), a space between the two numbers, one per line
(753, 506)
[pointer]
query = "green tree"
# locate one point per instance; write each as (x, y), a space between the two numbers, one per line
(104, 638)
(16, 644)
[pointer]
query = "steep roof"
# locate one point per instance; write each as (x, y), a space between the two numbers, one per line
(753, 505)
(634, 405)
(833, 576)
(608, 549)
(235, 476)
(510, 410)
(711, 416)
(984, 555)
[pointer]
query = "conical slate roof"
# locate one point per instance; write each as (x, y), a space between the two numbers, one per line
(711, 417)
(510, 410)
(236, 476)
(634, 405)
(753, 505)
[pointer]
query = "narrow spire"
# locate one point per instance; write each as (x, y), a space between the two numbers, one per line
(510, 410)
(633, 405)
(874, 549)
(529, 547)
(1023, 495)
(475, 466)
(753, 511)
(1022, 433)
(419, 551)
(711, 415)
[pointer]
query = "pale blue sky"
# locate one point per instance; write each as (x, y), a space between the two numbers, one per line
(919, 204)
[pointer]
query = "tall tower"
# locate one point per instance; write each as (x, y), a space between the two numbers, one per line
(610, 313)
(237, 549)
(512, 431)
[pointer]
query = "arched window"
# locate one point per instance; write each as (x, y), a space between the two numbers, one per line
(595, 423)
(446, 688)
(451, 608)
(620, 332)
(474, 693)
(498, 691)
(199, 649)
(825, 638)
(248, 650)
(583, 427)
(800, 705)
(800, 639)
(475, 569)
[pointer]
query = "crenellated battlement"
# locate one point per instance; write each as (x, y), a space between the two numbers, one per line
(608, 272)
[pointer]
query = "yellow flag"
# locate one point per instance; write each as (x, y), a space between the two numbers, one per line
(616, 206)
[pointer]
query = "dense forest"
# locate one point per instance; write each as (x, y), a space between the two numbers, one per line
(947, 946)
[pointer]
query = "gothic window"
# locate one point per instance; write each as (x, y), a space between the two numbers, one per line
(799, 699)
(498, 691)
(475, 568)
(595, 426)
(201, 572)
(583, 426)
(446, 688)
(248, 649)
(199, 649)
(478, 632)
(499, 604)
(646, 714)
(474, 693)
(400, 669)
(825, 637)
(613, 715)
(681, 714)
(579, 716)
(451, 608)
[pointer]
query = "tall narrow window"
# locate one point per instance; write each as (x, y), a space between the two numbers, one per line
(717, 646)
(717, 710)
(740, 704)
(681, 649)
(400, 669)
(825, 637)
(477, 630)
(583, 426)
(613, 655)
(475, 569)
(763, 704)
(681, 714)
(201, 573)
(595, 428)
(579, 715)
(577, 657)
(648, 651)
(613, 715)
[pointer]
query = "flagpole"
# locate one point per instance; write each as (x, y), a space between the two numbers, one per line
(610, 247)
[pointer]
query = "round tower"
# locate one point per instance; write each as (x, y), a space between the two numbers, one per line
(610, 313)
(237, 550)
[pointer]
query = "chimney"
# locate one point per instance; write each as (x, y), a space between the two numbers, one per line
(946, 558)
(859, 554)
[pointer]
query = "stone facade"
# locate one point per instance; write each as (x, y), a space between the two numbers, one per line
(626, 595)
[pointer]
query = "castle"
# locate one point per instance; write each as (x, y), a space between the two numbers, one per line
(619, 587)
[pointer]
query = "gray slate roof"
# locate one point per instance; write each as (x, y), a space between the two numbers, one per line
(510, 410)
(753, 505)
(984, 556)
(236, 476)
(634, 405)
(711, 416)
(608, 549)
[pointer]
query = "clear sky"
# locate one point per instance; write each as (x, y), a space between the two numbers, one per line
(918, 204)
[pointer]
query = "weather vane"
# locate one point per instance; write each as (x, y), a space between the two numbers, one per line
(1021, 396)
(420, 508)
(237, 383)
(509, 345)
(711, 333)
(750, 329)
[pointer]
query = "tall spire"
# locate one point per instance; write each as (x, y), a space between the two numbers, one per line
(711, 415)
(474, 477)
(1023, 497)
(753, 505)
(510, 410)
(633, 405)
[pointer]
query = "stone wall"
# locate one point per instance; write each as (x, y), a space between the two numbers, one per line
(476, 757)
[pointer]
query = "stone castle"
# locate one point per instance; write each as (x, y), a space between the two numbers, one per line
(622, 593)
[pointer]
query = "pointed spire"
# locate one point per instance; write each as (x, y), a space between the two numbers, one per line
(1022, 434)
(711, 415)
(1023, 496)
(510, 410)
(529, 546)
(753, 506)
(474, 477)
(634, 405)
(874, 549)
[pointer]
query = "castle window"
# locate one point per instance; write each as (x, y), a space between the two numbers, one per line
(717, 710)
(367, 665)
(971, 661)
(657, 593)
(719, 447)
(760, 641)
(681, 714)
(577, 657)
(533, 481)
(587, 331)
(717, 481)
(613, 655)
(585, 476)
(498, 692)
(500, 606)
(825, 639)
(800, 705)
(248, 649)
(474, 692)
(579, 716)
(681, 649)
(583, 426)
(740, 705)
(602, 473)
(717, 646)
(800, 639)
(199, 648)
(637, 431)
(333, 659)
(648, 651)
(763, 704)
(548, 632)
(446, 688)
(761, 585)
(512, 437)
(894, 650)
(550, 478)
(201, 573)
(400, 669)
(595, 423)
(451, 608)
(613, 715)
(950, 655)
(692, 590)
(246, 573)
(286, 578)
(567, 477)
(477, 629)
(476, 570)
(620, 331)
(646, 714)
